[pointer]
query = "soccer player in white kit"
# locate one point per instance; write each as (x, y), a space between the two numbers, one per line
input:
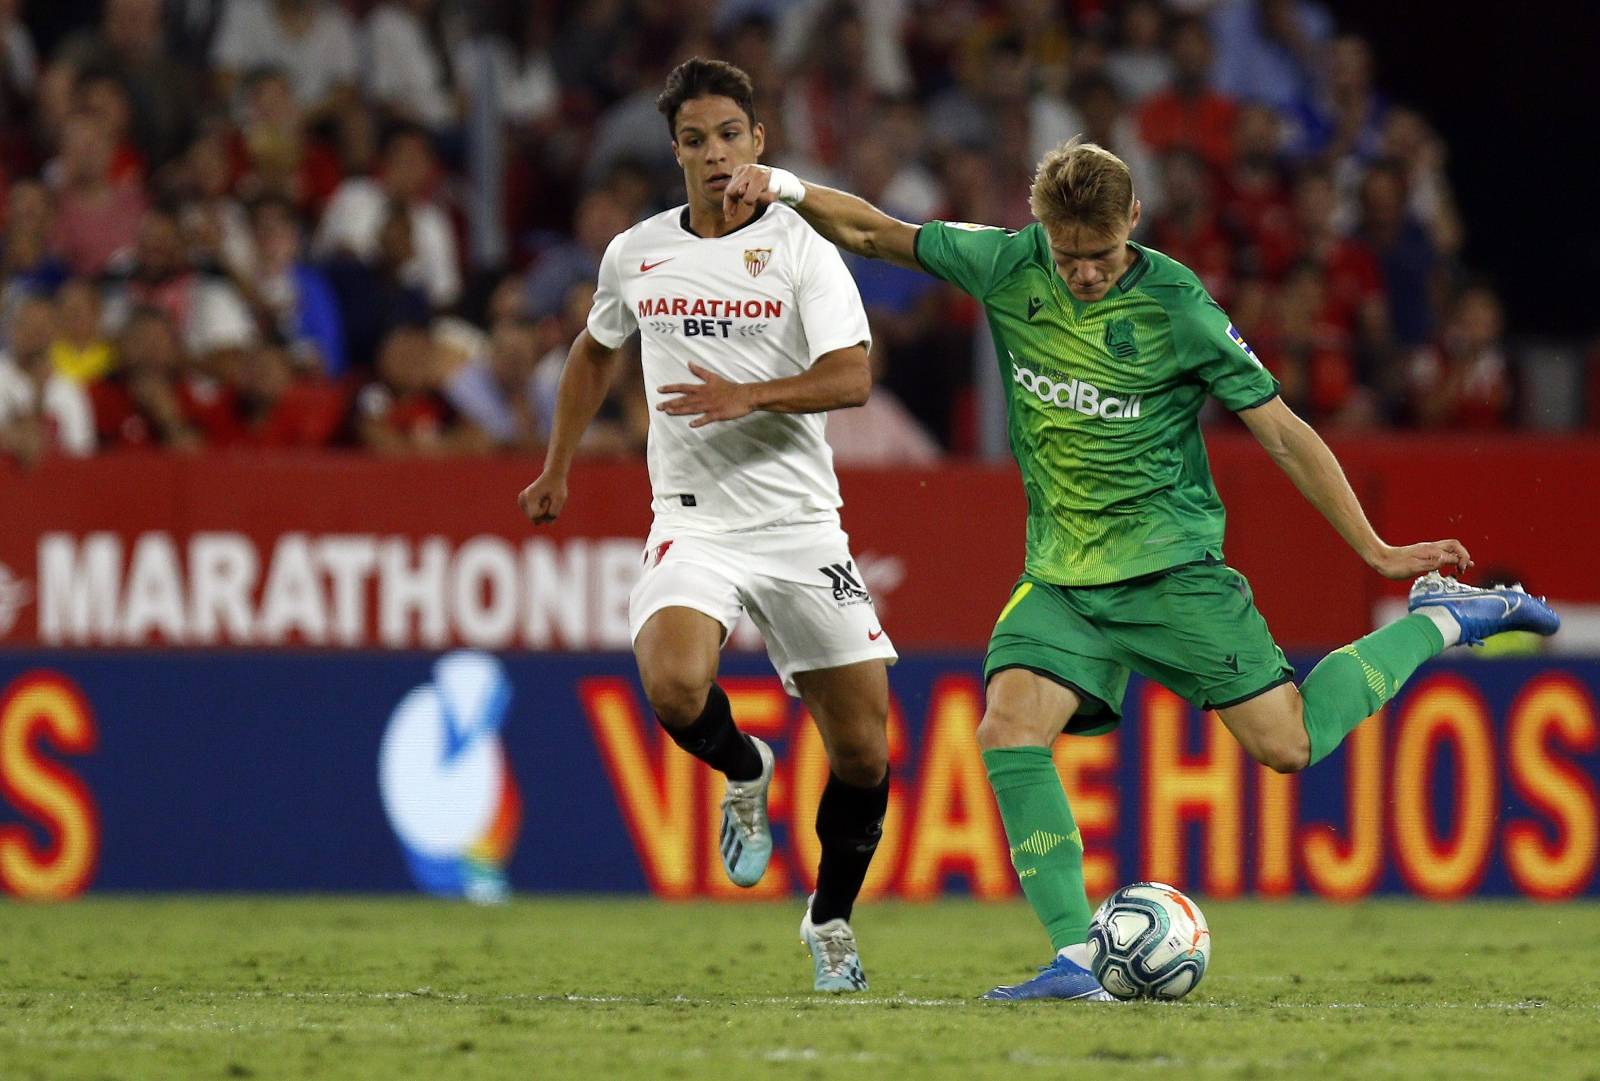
(751, 329)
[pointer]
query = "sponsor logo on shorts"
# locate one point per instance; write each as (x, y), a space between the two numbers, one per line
(847, 588)
(1077, 394)
(873, 636)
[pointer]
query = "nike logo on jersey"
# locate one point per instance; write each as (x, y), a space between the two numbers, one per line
(1034, 304)
(873, 636)
(646, 267)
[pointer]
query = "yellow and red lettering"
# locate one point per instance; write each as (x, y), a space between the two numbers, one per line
(1180, 788)
(1085, 766)
(1445, 709)
(956, 827)
(1348, 868)
(1277, 795)
(655, 787)
(41, 706)
(1553, 709)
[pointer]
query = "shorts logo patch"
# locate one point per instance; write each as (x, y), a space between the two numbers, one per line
(1119, 339)
(847, 588)
(661, 552)
(686, 500)
(1232, 661)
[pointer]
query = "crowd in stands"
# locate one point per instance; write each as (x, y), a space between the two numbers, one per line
(376, 223)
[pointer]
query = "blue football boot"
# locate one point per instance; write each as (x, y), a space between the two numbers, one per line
(1484, 612)
(1061, 978)
(746, 838)
(835, 961)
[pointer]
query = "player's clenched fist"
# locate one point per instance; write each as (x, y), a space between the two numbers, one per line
(542, 500)
(748, 187)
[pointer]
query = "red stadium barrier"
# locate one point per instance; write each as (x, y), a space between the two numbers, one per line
(339, 551)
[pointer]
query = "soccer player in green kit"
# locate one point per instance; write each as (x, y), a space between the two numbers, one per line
(1108, 349)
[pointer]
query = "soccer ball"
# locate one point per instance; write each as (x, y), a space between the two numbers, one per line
(1149, 941)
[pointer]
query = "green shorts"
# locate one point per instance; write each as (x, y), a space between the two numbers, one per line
(1194, 629)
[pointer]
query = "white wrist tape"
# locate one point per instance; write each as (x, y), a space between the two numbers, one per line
(786, 186)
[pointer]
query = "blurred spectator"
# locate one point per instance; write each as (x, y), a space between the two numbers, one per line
(1342, 125)
(128, 44)
(313, 40)
(624, 417)
(524, 71)
(1190, 113)
(80, 350)
(829, 94)
(214, 224)
(145, 402)
(410, 56)
(1463, 380)
(102, 95)
(1311, 354)
(359, 208)
(27, 263)
(882, 432)
(202, 303)
(563, 265)
(1139, 65)
(291, 297)
(402, 412)
(96, 217)
(1418, 153)
(376, 298)
(280, 156)
(1405, 252)
(1350, 271)
(1268, 50)
(273, 406)
(19, 68)
(1189, 229)
(495, 389)
(1255, 205)
(41, 411)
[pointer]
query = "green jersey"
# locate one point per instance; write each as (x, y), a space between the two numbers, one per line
(1103, 400)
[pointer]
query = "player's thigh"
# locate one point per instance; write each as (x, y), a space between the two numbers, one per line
(1196, 631)
(1023, 708)
(808, 600)
(1042, 632)
(680, 612)
(850, 705)
(1271, 728)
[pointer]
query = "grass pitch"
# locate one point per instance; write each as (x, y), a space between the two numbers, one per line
(588, 988)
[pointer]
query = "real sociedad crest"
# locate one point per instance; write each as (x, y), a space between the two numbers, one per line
(756, 260)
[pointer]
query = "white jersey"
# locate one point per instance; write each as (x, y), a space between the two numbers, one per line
(762, 302)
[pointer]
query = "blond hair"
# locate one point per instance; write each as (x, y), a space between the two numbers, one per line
(1080, 183)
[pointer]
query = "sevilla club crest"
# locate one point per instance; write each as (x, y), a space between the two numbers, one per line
(756, 260)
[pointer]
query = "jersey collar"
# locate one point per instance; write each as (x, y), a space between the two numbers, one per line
(683, 220)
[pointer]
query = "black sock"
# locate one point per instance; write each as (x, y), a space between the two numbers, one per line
(849, 823)
(714, 739)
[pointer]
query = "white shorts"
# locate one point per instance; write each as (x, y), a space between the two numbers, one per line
(799, 583)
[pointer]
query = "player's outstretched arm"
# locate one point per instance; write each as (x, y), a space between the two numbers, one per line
(846, 220)
(585, 379)
(1302, 454)
(836, 380)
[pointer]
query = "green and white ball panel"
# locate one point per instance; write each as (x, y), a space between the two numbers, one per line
(1149, 941)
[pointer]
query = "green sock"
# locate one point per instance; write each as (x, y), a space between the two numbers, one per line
(1046, 847)
(1351, 684)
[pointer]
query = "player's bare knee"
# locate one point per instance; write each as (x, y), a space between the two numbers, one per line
(860, 762)
(1003, 726)
(678, 698)
(1288, 751)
